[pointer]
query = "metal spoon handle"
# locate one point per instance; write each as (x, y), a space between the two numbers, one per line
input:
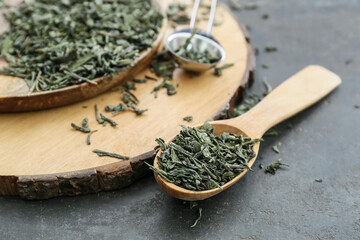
(212, 16)
(194, 13)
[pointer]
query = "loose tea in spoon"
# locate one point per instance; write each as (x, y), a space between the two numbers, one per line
(198, 160)
(200, 55)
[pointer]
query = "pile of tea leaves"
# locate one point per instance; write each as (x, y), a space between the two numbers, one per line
(53, 44)
(198, 160)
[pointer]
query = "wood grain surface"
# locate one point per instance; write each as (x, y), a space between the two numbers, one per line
(43, 157)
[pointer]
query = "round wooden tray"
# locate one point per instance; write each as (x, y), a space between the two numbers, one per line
(14, 92)
(43, 157)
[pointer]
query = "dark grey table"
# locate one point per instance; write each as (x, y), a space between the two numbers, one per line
(324, 142)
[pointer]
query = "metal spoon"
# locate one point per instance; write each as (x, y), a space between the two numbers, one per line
(294, 95)
(201, 41)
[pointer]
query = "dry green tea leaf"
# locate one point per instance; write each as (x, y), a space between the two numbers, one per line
(84, 127)
(112, 122)
(101, 153)
(275, 149)
(88, 142)
(198, 219)
(188, 118)
(115, 109)
(270, 48)
(274, 166)
(218, 70)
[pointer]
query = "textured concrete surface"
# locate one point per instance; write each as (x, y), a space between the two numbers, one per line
(324, 142)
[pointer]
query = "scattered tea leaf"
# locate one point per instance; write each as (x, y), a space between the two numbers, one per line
(347, 62)
(271, 133)
(129, 86)
(112, 122)
(261, 166)
(198, 219)
(137, 80)
(188, 118)
(115, 109)
(265, 16)
(85, 122)
(274, 166)
(150, 78)
(193, 204)
(98, 119)
(88, 142)
(357, 106)
(265, 66)
(84, 128)
(170, 89)
(275, 149)
(101, 153)
(270, 48)
(136, 110)
(318, 180)
(128, 97)
(218, 70)
(267, 86)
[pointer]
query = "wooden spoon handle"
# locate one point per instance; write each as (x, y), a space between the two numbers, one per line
(294, 95)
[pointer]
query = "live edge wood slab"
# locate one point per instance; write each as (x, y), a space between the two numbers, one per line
(43, 157)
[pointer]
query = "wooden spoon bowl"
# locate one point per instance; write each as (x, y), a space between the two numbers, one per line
(294, 95)
(189, 195)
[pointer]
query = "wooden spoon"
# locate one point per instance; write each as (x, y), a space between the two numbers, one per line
(294, 95)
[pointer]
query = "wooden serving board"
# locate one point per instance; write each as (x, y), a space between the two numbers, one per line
(15, 94)
(43, 157)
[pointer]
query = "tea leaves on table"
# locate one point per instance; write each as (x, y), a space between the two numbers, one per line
(188, 118)
(272, 168)
(101, 153)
